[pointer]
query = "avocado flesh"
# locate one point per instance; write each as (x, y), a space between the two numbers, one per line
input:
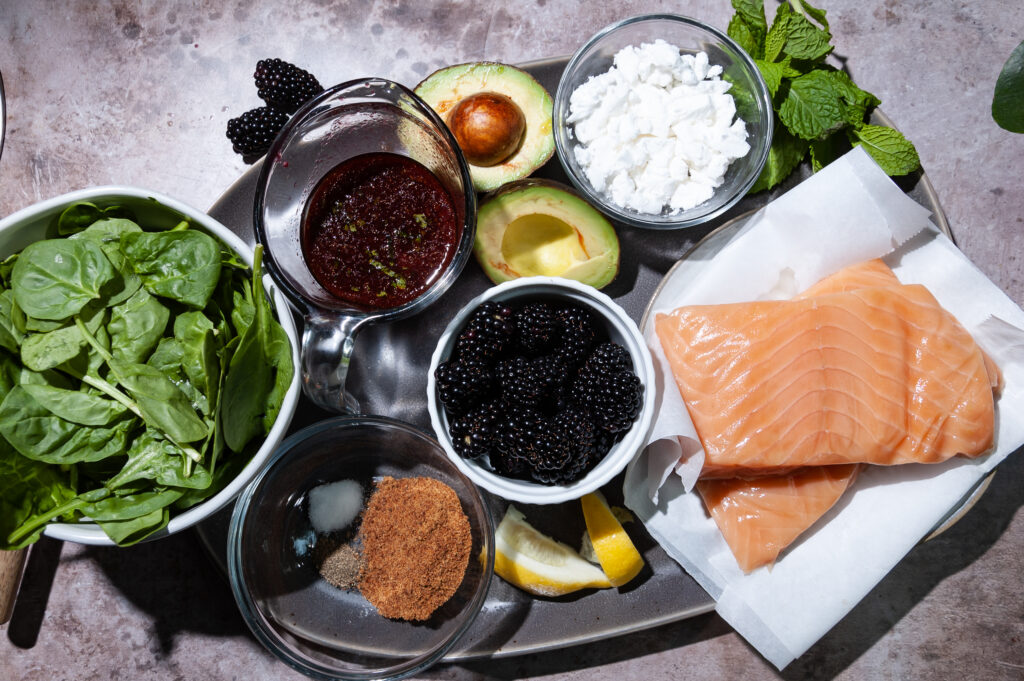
(534, 228)
(444, 89)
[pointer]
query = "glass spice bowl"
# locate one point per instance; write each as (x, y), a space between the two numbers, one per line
(313, 626)
(753, 103)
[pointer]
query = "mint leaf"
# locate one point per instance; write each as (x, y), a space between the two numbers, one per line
(811, 107)
(772, 74)
(784, 156)
(855, 103)
(1008, 99)
(804, 40)
(811, 12)
(778, 33)
(827, 150)
(740, 31)
(893, 152)
(748, 26)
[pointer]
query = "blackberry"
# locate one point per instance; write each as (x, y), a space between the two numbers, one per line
(575, 424)
(609, 358)
(537, 328)
(474, 434)
(488, 333)
(578, 335)
(550, 456)
(613, 399)
(530, 382)
(252, 133)
(514, 440)
(284, 86)
(462, 384)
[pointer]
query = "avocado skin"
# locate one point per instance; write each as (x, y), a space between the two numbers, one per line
(445, 88)
(541, 227)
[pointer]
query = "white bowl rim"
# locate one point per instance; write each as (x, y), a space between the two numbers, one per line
(621, 453)
(90, 533)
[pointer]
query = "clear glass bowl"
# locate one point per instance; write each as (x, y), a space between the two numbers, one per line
(753, 104)
(321, 630)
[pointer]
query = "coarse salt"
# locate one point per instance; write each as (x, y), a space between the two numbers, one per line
(333, 506)
(657, 130)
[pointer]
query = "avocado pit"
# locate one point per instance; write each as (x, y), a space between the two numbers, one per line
(488, 126)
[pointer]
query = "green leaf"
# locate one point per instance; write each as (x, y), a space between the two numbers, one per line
(810, 11)
(854, 102)
(890, 149)
(56, 278)
(41, 435)
(810, 107)
(772, 74)
(156, 459)
(42, 351)
(1008, 98)
(778, 34)
(827, 150)
(163, 405)
(128, 506)
(79, 216)
(784, 156)
(748, 26)
(136, 327)
(10, 333)
(28, 489)
(181, 265)
(804, 40)
(76, 406)
(134, 530)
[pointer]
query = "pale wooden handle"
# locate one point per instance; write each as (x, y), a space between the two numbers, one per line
(11, 565)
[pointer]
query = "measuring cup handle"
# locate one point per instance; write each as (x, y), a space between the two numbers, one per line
(327, 343)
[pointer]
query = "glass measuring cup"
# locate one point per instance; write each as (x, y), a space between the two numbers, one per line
(351, 119)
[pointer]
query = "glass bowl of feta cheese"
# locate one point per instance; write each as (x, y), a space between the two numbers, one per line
(662, 121)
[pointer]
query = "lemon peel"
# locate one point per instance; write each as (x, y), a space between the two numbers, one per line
(619, 559)
(538, 564)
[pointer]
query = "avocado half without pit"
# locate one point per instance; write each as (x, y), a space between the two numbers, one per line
(543, 228)
(500, 116)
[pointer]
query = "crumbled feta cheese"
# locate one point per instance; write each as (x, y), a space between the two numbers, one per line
(658, 130)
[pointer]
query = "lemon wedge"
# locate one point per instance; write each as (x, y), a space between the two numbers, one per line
(613, 548)
(538, 564)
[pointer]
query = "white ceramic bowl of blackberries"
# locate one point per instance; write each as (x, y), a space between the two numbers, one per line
(541, 390)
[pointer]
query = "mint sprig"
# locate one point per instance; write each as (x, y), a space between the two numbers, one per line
(819, 110)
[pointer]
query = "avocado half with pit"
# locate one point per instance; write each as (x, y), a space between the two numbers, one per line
(543, 228)
(499, 115)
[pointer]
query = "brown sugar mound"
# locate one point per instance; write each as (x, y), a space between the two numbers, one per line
(416, 543)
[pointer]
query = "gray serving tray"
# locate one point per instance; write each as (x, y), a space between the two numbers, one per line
(388, 377)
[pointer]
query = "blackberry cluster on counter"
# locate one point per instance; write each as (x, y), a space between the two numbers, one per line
(537, 391)
(284, 87)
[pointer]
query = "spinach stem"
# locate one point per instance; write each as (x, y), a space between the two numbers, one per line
(34, 523)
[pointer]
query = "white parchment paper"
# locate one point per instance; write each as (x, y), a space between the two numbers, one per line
(849, 212)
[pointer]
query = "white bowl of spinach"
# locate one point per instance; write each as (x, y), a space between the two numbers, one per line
(144, 375)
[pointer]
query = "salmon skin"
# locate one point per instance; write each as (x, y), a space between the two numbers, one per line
(761, 517)
(881, 375)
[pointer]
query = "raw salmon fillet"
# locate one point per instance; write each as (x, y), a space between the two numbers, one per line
(761, 517)
(878, 374)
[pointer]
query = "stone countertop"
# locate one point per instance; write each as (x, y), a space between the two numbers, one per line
(139, 93)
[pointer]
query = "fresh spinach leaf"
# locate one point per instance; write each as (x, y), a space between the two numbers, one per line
(28, 489)
(77, 406)
(56, 278)
(79, 216)
(180, 265)
(134, 530)
(39, 434)
(136, 327)
(162, 404)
